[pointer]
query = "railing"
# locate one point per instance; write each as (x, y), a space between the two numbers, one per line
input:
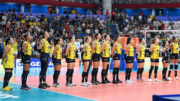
(123, 1)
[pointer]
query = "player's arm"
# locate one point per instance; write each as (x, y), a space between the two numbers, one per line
(40, 46)
(113, 49)
(7, 49)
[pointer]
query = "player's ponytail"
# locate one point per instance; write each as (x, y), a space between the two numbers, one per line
(128, 40)
(116, 37)
(7, 40)
(95, 36)
(85, 39)
(56, 41)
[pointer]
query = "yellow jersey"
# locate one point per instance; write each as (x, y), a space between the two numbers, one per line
(72, 51)
(46, 47)
(52, 49)
(155, 52)
(87, 53)
(118, 48)
(97, 49)
(141, 54)
(15, 46)
(58, 54)
(28, 49)
(130, 51)
(175, 48)
(8, 61)
(107, 49)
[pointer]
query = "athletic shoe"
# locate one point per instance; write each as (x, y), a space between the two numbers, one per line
(88, 83)
(41, 86)
(139, 81)
(73, 84)
(142, 80)
(7, 88)
(156, 80)
(149, 80)
(177, 78)
(107, 81)
(165, 79)
(69, 85)
(94, 83)
(84, 84)
(98, 82)
(131, 81)
(169, 79)
(46, 85)
(56, 85)
(115, 82)
(25, 87)
(128, 81)
(119, 81)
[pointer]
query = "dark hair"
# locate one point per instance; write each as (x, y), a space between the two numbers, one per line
(115, 39)
(105, 36)
(7, 40)
(164, 43)
(174, 37)
(153, 41)
(128, 40)
(25, 36)
(56, 41)
(70, 38)
(140, 39)
(95, 36)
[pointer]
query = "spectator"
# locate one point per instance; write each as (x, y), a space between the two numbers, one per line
(98, 12)
(65, 11)
(151, 16)
(73, 11)
(113, 16)
(9, 9)
(77, 12)
(18, 9)
(90, 12)
(176, 24)
(69, 12)
(140, 17)
(107, 14)
(142, 14)
(164, 39)
(162, 26)
(136, 16)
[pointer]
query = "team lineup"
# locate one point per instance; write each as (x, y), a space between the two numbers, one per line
(92, 53)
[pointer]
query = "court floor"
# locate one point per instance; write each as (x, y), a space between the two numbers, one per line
(101, 92)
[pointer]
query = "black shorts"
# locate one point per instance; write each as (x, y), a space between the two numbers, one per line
(174, 56)
(105, 59)
(70, 60)
(155, 60)
(57, 61)
(26, 59)
(44, 57)
(96, 57)
(8, 68)
(166, 60)
(117, 57)
(129, 59)
(86, 60)
(140, 60)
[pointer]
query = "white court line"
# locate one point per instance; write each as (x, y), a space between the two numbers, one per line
(55, 92)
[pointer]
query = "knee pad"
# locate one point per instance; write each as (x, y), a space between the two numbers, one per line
(176, 67)
(57, 72)
(175, 63)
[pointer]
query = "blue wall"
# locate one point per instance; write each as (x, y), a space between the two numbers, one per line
(5, 6)
(36, 9)
(133, 11)
(172, 12)
(80, 10)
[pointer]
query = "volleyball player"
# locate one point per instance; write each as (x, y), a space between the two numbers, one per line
(165, 60)
(70, 56)
(117, 50)
(129, 54)
(86, 57)
(96, 53)
(174, 49)
(154, 56)
(8, 62)
(105, 52)
(26, 60)
(56, 59)
(44, 48)
(15, 45)
(140, 55)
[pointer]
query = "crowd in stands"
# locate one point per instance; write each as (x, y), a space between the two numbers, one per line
(12, 25)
